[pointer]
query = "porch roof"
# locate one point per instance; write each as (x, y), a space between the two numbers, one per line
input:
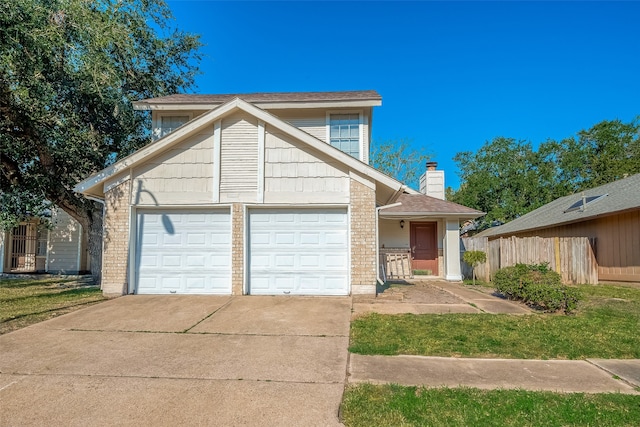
(412, 205)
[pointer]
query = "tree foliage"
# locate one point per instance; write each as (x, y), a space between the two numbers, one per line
(69, 70)
(399, 159)
(474, 258)
(508, 178)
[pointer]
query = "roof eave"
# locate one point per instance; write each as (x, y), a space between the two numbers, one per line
(174, 106)
(460, 215)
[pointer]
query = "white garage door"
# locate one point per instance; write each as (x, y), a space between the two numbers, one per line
(298, 252)
(183, 252)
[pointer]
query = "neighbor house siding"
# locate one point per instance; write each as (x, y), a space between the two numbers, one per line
(181, 175)
(239, 159)
(363, 238)
(294, 175)
(115, 254)
(617, 244)
(63, 249)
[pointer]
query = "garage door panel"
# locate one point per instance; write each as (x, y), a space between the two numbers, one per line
(298, 251)
(184, 251)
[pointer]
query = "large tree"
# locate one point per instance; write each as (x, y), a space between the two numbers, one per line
(503, 178)
(508, 178)
(69, 70)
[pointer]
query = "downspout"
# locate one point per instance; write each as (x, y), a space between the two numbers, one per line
(378, 209)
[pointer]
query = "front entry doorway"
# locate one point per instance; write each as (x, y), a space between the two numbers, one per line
(424, 246)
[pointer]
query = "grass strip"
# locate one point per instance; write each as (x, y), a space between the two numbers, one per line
(605, 326)
(393, 405)
(24, 302)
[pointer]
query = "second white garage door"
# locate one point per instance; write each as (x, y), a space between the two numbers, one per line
(298, 252)
(183, 252)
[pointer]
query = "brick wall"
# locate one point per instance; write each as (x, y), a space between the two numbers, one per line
(363, 239)
(115, 255)
(237, 248)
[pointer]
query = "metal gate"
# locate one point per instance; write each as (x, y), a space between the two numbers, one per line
(23, 248)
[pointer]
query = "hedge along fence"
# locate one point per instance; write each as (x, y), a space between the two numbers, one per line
(571, 257)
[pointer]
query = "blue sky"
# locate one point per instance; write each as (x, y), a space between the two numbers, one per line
(452, 75)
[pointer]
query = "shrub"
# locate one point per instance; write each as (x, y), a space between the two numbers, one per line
(537, 286)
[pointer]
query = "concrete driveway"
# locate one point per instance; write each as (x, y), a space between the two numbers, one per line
(180, 360)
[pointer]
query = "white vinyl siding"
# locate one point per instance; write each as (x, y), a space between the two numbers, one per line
(298, 252)
(180, 175)
(312, 121)
(183, 252)
(292, 174)
(63, 244)
(239, 159)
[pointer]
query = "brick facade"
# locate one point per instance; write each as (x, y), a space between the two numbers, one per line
(115, 254)
(363, 239)
(237, 249)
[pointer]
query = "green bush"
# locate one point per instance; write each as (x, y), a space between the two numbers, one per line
(537, 286)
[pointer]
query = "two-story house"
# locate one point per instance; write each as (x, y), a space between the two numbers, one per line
(265, 193)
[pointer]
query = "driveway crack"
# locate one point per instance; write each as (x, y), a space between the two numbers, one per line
(208, 316)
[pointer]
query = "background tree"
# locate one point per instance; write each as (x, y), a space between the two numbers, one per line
(69, 70)
(399, 159)
(503, 178)
(608, 151)
(508, 178)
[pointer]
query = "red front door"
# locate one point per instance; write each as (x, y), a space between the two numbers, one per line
(424, 246)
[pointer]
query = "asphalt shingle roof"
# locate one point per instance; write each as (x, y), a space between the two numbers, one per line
(622, 195)
(420, 204)
(354, 95)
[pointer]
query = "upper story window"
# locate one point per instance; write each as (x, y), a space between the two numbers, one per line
(170, 123)
(344, 133)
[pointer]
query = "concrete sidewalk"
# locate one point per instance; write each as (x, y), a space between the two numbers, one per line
(435, 297)
(569, 376)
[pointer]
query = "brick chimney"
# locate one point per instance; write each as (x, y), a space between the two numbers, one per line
(432, 181)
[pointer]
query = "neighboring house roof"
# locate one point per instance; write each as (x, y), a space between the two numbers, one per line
(93, 185)
(360, 98)
(622, 195)
(423, 205)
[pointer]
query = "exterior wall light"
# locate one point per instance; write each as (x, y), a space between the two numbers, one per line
(402, 223)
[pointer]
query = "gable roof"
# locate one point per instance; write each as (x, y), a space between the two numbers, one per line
(92, 186)
(265, 100)
(622, 195)
(423, 205)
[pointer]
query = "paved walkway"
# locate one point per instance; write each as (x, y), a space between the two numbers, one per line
(588, 376)
(435, 297)
(439, 297)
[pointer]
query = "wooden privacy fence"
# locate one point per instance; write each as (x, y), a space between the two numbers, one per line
(572, 257)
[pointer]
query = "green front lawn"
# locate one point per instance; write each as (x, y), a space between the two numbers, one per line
(27, 301)
(392, 405)
(604, 326)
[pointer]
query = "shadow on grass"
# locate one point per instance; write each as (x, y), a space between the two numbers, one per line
(29, 283)
(48, 294)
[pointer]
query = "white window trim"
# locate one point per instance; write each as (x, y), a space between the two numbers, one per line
(361, 142)
(157, 120)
